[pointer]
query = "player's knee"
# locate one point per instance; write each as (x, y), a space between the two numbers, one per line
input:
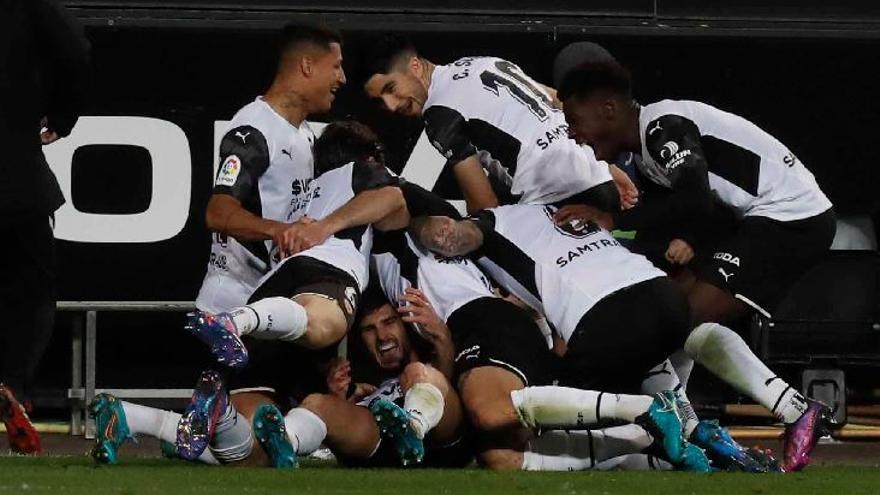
(413, 373)
(500, 459)
(316, 403)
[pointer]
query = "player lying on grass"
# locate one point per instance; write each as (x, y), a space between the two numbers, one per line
(401, 398)
(587, 284)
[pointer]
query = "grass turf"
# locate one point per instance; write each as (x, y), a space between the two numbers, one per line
(74, 475)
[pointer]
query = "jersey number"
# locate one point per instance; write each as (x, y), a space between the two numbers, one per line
(533, 98)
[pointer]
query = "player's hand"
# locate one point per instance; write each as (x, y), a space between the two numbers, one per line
(583, 214)
(679, 252)
(47, 135)
(361, 390)
(418, 310)
(299, 236)
(339, 377)
(626, 189)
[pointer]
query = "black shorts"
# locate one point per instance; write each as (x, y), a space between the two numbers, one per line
(624, 335)
(305, 275)
(284, 370)
(764, 257)
(493, 332)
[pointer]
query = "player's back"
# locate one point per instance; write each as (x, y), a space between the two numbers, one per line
(561, 271)
(508, 119)
(749, 169)
(266, 164)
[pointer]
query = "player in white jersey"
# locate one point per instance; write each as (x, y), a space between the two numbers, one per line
(264, 170)
(484, 115)
(588, 284)
(696, 152)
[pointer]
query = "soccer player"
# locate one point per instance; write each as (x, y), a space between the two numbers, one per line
(485, 115)
(587, 284)
(417, 413)
(696, 152)
(265, 167)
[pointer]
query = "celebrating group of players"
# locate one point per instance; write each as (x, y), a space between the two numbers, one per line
(524, 334)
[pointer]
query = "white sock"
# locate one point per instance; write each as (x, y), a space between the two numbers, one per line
(635, 462)
(424, 402)
(683, 365)
(305, 429)
(664, 377)
(157, 423)
(559, 450)
(233, 438)
(727, 356)
(273, 318)
(564, 407)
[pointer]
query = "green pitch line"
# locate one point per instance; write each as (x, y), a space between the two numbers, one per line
(81, 476)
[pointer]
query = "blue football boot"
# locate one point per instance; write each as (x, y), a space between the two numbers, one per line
(394, 424)
(270, 431)
(111, 428)
(221, 335)
(199, 421)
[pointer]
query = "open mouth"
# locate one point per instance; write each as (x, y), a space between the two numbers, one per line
(387, 347)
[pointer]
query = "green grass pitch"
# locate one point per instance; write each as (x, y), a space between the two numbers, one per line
(78, 475)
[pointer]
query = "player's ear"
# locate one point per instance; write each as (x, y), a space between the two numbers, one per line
(415, 66)
(307, 65)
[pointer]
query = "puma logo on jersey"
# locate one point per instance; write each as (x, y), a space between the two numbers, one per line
(727, 257)
(725, 274)
(242, 136)
(469, 353)
(288, 153)
(655, 128)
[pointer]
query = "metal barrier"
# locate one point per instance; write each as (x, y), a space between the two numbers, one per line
(84, 359)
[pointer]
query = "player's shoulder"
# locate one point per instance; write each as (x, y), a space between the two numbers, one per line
(452, 84)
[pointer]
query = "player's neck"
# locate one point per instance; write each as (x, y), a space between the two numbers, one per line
(287, 103)
(633, 141)
(427, 74)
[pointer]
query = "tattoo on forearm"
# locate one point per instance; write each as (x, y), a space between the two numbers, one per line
(446, 236)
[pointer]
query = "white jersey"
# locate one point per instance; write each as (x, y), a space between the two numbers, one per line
(390, 390)
(349, 249)
(448, 283)
(748, 169)
(489, 107)
(401, 263)
(561, 272)
(266, 164)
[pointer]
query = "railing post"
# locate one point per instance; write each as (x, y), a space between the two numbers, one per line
(76, 380)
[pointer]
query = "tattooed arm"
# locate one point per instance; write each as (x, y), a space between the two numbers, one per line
(447, 236)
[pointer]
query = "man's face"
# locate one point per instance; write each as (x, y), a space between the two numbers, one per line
(327, 76)
(400, 91)
(595, 121)
(385, 338)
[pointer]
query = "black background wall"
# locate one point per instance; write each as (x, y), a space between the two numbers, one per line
(806, 73)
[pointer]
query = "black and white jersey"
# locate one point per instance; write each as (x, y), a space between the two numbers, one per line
(489, 107)
(401, 263)
(348, 250)
(266, 164)
(747, 168)
(560, 271)
(390, 390)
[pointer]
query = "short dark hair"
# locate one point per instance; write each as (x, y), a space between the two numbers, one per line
(590, 77)
(343, 142)
(371, 300)
(295, 36)
(387, 53)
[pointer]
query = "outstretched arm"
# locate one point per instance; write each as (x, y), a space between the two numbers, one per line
(447, 236)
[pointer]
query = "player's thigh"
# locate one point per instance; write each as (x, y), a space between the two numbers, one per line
(351, 429)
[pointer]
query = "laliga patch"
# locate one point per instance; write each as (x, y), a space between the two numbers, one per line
(229, 171)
